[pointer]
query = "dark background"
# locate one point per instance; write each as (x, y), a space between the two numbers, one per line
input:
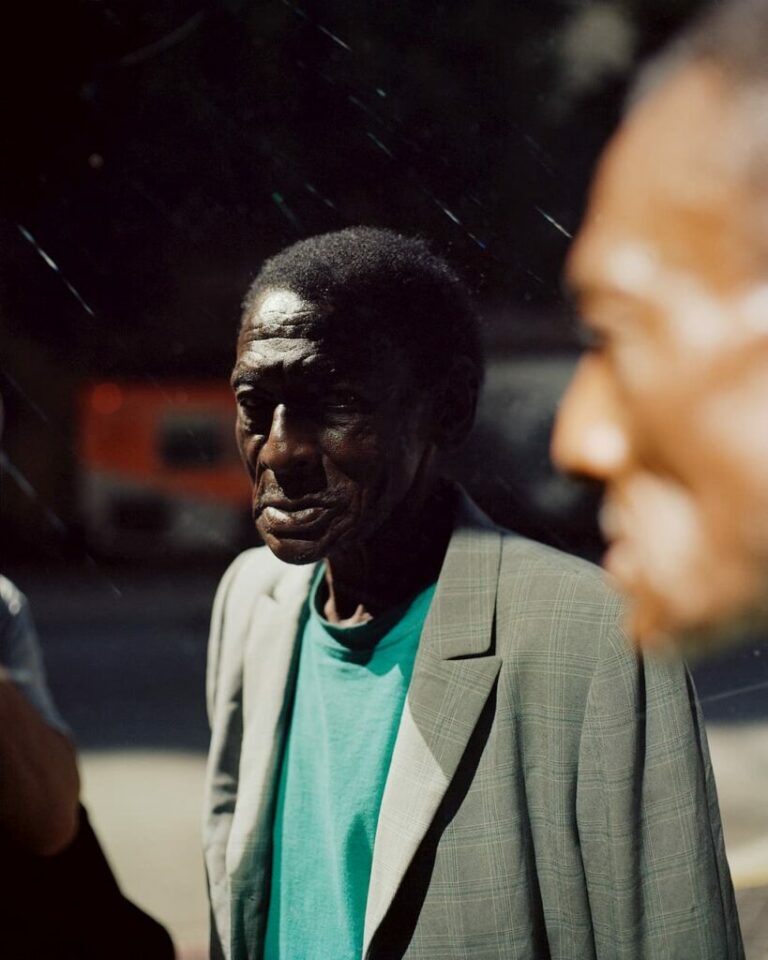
(156, 152)
(152, 153)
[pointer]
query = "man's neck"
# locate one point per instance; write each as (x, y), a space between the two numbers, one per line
(403, 558)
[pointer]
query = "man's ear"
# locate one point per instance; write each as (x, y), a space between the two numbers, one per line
(455, 403)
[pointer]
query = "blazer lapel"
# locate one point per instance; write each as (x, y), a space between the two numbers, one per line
(268, 674)
(452, 679)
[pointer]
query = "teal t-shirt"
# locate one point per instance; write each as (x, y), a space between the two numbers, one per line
(349, 697)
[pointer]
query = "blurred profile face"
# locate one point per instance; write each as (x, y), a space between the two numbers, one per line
(669, 408)
(331, 431)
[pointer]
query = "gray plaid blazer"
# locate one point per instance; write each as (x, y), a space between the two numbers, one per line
(550, 793)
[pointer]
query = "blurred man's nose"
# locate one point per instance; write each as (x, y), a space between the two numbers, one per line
(291, 445)
(590, 438)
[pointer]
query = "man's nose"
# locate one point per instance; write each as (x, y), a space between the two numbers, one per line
(590, 437)
(291, 445)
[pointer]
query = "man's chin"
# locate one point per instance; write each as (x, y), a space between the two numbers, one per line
(294, 551)
(308, 543)
(667, 636)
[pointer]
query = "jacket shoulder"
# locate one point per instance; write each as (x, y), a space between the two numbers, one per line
(256, 561)
(547, 598)
(520, 552)
(12, 600)
(253, 572)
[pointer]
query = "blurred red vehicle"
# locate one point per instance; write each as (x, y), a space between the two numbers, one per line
(159, 470)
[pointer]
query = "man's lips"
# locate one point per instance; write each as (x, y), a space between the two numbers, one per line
(610, 521)
(278, 515)
(300, 515)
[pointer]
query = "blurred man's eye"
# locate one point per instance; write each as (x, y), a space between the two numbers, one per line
(591, 338)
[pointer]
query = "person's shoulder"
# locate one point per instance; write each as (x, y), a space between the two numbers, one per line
(538, 579)
(530, 559)
(257, 570)
(554, 600)
(13, 604)
(256, 561)
(12, 600)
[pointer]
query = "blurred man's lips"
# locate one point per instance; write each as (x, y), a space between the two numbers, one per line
(609, 521)
(608, 560)
(616, 560)
(620, 564)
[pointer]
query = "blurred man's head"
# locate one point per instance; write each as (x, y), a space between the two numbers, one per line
(358, 358)
(669, 408)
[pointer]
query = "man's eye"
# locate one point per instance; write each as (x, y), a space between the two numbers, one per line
(255, 412)
(344, 401)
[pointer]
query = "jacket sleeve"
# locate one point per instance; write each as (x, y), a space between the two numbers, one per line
(20, 654)
(649, 826)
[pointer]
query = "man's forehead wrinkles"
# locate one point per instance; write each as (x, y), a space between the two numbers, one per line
(284, 356)
(280, 325)
(254, 342)
(265, 312)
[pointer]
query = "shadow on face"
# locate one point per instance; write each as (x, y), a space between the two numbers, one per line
(331, 426)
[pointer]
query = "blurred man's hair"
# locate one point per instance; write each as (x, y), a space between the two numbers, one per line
(732, 35)
(388, 283)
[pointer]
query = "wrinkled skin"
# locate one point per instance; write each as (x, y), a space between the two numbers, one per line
(339, 445)
(669, 409)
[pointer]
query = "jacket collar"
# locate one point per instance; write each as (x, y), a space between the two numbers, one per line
(461, 616)
(452, 680)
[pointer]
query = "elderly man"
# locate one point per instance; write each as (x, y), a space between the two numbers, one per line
(429, 737)
(669, 409)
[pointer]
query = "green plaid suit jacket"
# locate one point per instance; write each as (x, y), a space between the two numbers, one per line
(550, 793)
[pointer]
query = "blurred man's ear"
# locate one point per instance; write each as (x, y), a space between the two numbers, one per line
(455, 403)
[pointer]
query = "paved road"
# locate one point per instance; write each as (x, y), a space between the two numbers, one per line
(125, 650)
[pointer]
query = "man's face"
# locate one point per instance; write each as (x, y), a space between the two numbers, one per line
(669, 409)
(329, 427)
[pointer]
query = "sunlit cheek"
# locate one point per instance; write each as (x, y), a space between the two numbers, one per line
(732, 424)
(752, 309)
